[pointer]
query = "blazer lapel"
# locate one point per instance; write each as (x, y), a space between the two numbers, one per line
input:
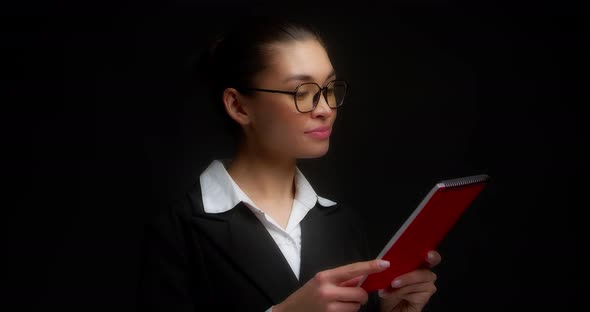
(247, 244)
(323, 243)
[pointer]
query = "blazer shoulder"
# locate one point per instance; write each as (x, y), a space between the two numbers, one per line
(350, 214)
(357, 223)
(174, 214)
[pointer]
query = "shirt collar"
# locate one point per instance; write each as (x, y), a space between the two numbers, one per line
(220, 192)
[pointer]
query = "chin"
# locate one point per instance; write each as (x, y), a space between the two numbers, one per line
(315, 152)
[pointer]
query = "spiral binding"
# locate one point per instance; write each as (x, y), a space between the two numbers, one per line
(465, 181)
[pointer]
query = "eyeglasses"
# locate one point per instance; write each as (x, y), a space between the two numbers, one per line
(307, 95)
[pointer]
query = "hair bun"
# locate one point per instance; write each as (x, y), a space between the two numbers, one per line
(203, 68)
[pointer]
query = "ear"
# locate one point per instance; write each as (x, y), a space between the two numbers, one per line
(235, 107)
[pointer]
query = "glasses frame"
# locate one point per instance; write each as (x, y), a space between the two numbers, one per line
(323, 91)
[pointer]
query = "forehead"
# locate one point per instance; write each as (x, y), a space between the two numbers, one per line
(297, 58)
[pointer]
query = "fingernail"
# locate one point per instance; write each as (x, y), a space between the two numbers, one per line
(396, 283)
(430, 255)
(383, 264)
(382, 293)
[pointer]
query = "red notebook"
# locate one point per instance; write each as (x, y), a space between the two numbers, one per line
(425, 228)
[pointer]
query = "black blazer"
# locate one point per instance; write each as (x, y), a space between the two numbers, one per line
(195, 261)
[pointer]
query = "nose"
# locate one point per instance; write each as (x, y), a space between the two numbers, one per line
(322, 109)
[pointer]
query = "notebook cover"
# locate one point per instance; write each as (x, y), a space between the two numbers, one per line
(425, 228)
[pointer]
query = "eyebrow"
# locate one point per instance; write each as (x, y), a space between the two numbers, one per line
(304, 77)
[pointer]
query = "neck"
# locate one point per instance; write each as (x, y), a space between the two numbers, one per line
(263, 177)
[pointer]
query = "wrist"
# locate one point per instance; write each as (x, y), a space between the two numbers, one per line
(276, 308)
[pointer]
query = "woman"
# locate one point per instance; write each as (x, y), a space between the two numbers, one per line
(253, 234)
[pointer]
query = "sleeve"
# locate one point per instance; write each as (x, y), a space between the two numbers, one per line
(164, 277)
(373, 303)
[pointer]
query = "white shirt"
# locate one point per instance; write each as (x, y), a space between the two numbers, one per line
(220, 193)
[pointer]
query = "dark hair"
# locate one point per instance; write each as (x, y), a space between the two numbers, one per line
(236, 55)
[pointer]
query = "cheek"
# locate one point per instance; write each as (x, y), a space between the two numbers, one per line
(281, 126)
(287, 129)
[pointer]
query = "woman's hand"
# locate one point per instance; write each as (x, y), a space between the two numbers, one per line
(333, 290)
(411, 291)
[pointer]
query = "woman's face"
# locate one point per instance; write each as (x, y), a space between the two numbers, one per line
(276, 126)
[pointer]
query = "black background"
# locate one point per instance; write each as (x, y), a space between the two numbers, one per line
(102, 128)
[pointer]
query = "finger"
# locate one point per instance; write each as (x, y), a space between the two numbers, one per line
(351, 282)
(408, 290)
(414, 277)
(343, 306)
(384, 293)
(350, 271)
(421, 296)
(433, 258)
(350, 294)
(418, 298)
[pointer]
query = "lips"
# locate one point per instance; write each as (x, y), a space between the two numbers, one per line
(320, 129)
(320, 133)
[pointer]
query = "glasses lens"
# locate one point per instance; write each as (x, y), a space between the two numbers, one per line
(307, 95)
(335, 93)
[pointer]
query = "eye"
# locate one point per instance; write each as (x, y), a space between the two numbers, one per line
(301, 95)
